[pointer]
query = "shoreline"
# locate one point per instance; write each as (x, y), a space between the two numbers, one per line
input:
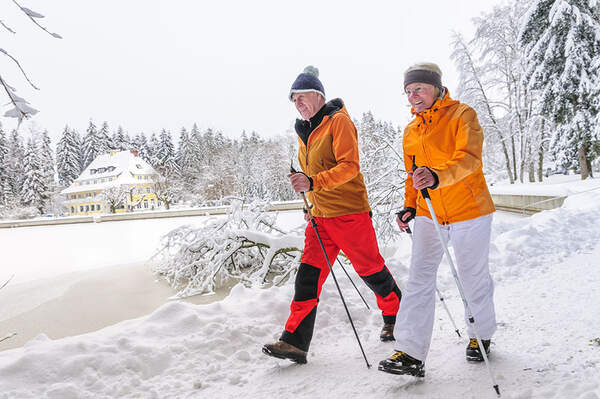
(82, 302)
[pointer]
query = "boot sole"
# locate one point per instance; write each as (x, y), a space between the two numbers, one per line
(387, 339)
(477, 358)
(289, 356)
(402, 370)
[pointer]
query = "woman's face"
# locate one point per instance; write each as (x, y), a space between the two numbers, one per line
(420, 95)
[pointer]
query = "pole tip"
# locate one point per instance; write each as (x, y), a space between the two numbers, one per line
(497, 389)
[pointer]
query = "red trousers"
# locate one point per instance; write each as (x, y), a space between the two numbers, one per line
(355, 236)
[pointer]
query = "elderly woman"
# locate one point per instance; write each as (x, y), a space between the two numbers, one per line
(442, 146)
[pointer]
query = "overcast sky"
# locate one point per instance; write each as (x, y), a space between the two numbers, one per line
(153, 64)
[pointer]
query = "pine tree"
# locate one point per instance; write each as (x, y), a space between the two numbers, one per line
(91, 145)
(34, 190)
(120, 140)
(105, 144)
(165, 155)
(153, 146)
(4, 182)
(14, 165)
(68, 165)
(562, 42)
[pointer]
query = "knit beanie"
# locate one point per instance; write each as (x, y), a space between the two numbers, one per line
(425, 72)
(308, 81)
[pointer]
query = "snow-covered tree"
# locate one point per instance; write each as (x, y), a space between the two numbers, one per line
(91, 145)
(492, 66)
(153, 145)
(165, 155)
(120, 140)
(14, 165)
(34, 190)
(115, 197)
(105, 143)
(186, 160)
(4, 178)
(382, 166)
(562, 45)
(46, 157)
(140, 143)
(68, 163)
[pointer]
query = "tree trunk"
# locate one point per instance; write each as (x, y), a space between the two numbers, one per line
(583, 163)
(514, 155)
(541, 153)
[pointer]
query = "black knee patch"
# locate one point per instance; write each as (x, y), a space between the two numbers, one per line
(307, 282)
(382, 283)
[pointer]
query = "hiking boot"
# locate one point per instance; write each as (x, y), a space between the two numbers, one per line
(283, 350)
(387, 332)
(401, 363)
(474, 352)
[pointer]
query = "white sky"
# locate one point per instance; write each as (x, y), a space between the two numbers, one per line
(153, 64)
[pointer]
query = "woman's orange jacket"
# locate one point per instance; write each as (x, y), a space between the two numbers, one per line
(448, 139)
(330, 158)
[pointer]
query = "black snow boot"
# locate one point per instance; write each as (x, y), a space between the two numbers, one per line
(401, 363)
(283, 350)
(387, 332)
(474, 352)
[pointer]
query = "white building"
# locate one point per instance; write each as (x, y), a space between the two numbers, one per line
(113, 182)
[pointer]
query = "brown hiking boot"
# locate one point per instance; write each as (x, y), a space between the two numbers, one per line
(387, 332)
(283, 350)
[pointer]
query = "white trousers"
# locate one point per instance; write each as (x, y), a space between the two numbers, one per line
(471, 242)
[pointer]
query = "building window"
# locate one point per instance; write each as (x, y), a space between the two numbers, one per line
(87, 208)
(98, 207)
(146, 204)
(81, 208)
(72, 210)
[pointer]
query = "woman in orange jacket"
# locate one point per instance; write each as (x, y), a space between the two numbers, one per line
(442, 146)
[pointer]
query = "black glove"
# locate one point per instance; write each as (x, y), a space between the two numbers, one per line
(411, 211)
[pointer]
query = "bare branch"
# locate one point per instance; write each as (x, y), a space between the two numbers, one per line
(19, 65)
(7, 281)
(32, 15)
(7, 27)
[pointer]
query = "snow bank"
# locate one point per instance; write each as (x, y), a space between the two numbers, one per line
(547, 277)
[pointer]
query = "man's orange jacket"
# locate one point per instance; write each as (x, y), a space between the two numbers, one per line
(330, 158)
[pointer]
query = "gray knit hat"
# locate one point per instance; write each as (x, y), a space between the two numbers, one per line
(307, 81)
(424, 72)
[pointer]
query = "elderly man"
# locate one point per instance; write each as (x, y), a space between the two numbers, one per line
(328, 156)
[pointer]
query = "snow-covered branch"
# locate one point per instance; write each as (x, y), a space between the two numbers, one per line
(244, 246)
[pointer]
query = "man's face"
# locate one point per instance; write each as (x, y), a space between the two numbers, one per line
(420, 95)
(308, 104)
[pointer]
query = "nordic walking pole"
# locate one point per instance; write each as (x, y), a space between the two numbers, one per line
(439, 295)
(425, 194)
(361, 297)
(314, 225)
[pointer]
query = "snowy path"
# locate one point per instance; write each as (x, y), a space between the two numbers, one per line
(547, 296)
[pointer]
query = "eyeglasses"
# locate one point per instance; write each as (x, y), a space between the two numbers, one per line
(416, 90)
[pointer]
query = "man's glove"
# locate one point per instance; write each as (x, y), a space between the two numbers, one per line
(411, 211)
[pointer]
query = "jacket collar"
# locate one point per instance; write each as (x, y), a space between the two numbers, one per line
(432, 112)
(305, 128)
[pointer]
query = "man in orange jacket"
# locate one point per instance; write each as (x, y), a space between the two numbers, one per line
(328, 156)
(443, 146)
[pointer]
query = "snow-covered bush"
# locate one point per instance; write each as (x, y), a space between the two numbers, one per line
(242, 246)
(26, 212)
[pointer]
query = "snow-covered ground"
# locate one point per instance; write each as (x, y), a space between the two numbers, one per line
(547, 276)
